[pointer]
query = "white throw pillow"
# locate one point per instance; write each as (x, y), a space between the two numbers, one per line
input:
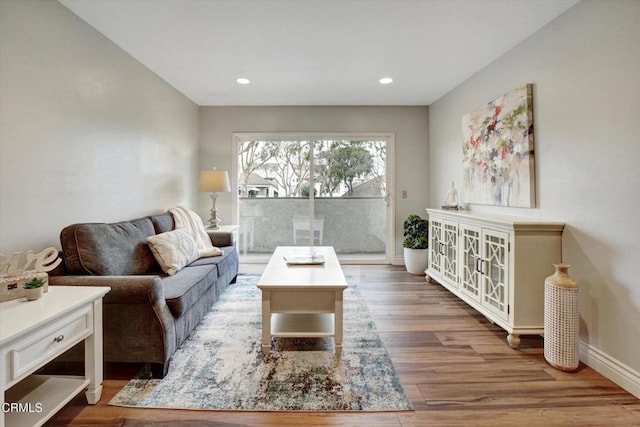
(173, 249)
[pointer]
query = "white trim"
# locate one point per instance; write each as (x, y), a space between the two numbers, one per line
(397, 260)
(391, 191)
(280, 136)
(613, 369)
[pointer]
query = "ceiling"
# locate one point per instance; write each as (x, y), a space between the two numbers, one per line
(316, 52)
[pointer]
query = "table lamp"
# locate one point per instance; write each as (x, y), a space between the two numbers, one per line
(214, 181)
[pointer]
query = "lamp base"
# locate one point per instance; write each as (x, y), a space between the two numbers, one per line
(214, 221)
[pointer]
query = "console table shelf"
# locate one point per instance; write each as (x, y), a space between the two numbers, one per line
(50, 392)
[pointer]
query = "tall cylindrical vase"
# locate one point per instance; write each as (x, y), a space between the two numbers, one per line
(561, 320)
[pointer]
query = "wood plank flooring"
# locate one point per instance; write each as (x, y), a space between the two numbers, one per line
(454, 365)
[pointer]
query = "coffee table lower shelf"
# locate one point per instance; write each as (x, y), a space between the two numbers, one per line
(302, 325)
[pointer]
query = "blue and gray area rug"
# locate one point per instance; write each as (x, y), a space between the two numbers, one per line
(221, 367)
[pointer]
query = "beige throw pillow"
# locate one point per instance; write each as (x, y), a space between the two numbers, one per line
(173, 249)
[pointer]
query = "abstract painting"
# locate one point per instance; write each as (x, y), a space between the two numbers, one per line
(497, 151)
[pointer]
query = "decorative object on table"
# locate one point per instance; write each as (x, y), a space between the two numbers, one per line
(416, 244)
(561, 320)
(311, 259)
(23, 266)
(452, 198)
(214, 181)
(33, 288)
(220, 365)
(498, 151)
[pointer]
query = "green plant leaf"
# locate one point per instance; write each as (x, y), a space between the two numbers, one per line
(416, 232)
(34, 283)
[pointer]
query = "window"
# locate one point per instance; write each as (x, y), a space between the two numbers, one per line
(317, 189)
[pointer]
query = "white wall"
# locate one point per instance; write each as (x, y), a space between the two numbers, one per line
(585, 68)
(410, 125)
(86, 132)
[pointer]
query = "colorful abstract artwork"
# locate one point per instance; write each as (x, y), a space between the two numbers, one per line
(497, 151)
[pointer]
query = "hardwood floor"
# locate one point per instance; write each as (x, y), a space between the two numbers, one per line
(454, 365)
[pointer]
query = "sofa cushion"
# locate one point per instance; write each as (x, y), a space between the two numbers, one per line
(163, 222)
(173, 249)
(227, 261)
(182, 290)
(116, 249)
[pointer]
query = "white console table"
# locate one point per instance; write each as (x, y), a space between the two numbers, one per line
(32, 333)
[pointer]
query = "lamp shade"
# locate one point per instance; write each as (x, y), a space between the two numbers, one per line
(214, 181)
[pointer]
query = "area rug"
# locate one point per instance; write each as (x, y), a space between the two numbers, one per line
(221, 367)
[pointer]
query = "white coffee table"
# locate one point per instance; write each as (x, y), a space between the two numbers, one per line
(302, 300)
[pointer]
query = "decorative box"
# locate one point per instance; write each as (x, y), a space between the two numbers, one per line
(11, 286)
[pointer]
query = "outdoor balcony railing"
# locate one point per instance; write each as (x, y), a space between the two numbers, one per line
(350, 225)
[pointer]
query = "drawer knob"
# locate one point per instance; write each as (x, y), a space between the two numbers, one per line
(59, 338)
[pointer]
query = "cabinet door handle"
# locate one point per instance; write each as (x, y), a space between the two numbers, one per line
(478, 260)
(59, 338)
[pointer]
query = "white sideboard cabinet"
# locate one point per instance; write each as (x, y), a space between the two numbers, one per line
(495, 263)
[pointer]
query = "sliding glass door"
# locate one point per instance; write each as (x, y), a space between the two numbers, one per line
(314, 190)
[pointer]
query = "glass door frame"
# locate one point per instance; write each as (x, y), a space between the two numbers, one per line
(389, 137)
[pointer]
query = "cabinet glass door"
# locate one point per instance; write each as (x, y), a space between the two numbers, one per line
(435, 233)
(450, 258)
(494, 266)
(470, 261)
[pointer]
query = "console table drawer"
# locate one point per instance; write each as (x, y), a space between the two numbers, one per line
(33, 351)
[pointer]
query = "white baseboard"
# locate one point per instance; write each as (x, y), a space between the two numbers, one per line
(611, 368)
(398, 260)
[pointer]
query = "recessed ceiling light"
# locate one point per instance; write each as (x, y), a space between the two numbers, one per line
(386, 80)
(243, 81)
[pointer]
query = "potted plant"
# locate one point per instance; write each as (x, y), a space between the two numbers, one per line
(416, 243)
(33, 288)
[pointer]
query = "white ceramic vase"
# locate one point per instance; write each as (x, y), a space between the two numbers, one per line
(561, 320)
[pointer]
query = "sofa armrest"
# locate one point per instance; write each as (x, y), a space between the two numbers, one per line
(221, 238)
(124, 289)
(137, 323)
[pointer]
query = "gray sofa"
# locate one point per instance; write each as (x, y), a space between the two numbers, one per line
(147, 314)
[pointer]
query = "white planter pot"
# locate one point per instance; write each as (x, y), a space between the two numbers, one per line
(33, 294)
(416, 260)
